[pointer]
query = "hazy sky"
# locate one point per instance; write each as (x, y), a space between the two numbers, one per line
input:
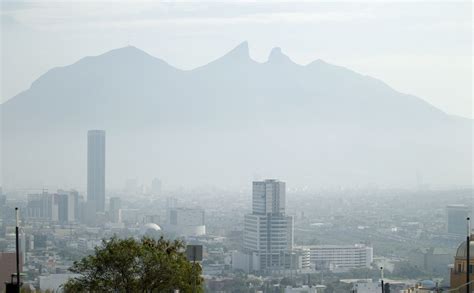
(422, 48)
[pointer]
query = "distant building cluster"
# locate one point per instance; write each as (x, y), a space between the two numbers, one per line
(255, 236)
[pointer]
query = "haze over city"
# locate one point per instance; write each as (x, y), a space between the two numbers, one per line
(248, 147)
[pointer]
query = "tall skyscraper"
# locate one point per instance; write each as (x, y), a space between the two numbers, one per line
(96, 168)
(268, 232)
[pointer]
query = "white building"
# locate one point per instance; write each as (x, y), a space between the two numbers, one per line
(268, 232)
(340, 257)
(305, 289)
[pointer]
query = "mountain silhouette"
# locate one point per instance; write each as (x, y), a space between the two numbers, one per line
(316, 124)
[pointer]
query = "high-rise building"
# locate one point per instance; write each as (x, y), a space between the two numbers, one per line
(96, 169)
(268, 232)
(66, 202)
(40, 206)
(456, 219)
(57, 207)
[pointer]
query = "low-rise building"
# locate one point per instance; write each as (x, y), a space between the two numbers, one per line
(340, 257)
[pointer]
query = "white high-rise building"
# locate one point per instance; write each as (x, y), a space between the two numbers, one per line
(268, 232)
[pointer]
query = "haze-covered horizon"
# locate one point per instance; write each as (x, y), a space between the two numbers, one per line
(187, 125)
(236, 146)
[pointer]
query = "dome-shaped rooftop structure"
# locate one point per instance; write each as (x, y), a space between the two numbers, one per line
(150, 229)
(427, 284)
(462, 251)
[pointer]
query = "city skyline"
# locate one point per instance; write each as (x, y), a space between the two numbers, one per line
(230, 147)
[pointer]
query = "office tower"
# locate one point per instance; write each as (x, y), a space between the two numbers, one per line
(156, 187)
(96, 169)
(268, 197)
(115, 209)
(57, 207)
(268, 232)
(65, 206)
(40, 206)
(456, 219)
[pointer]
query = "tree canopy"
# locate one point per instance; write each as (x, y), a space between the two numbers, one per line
(128, 265)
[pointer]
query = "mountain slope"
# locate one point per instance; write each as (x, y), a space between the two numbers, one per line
(222, 122)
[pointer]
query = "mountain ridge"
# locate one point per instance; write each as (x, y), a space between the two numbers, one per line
(233, 114)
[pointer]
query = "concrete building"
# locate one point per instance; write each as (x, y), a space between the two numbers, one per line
(340, 257)
(268, 232)
(456, 218)
(58, 207)
(432, 259)
(39, 206)
(96, 168)
(65, 206)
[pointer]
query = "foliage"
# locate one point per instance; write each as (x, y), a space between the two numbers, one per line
(128, 265)
(405, 269)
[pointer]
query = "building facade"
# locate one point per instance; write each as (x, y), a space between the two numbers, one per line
(268, 231)
(340, 257)
(96, 168)
(61, 206)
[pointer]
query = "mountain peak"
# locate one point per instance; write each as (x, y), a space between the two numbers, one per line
(127, 51)
(277, 56)
(241, 51)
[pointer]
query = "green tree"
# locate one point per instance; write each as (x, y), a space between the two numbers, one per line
(405, 269)
(128, 265)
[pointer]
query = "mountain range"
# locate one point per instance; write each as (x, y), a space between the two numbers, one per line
(228, 122)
